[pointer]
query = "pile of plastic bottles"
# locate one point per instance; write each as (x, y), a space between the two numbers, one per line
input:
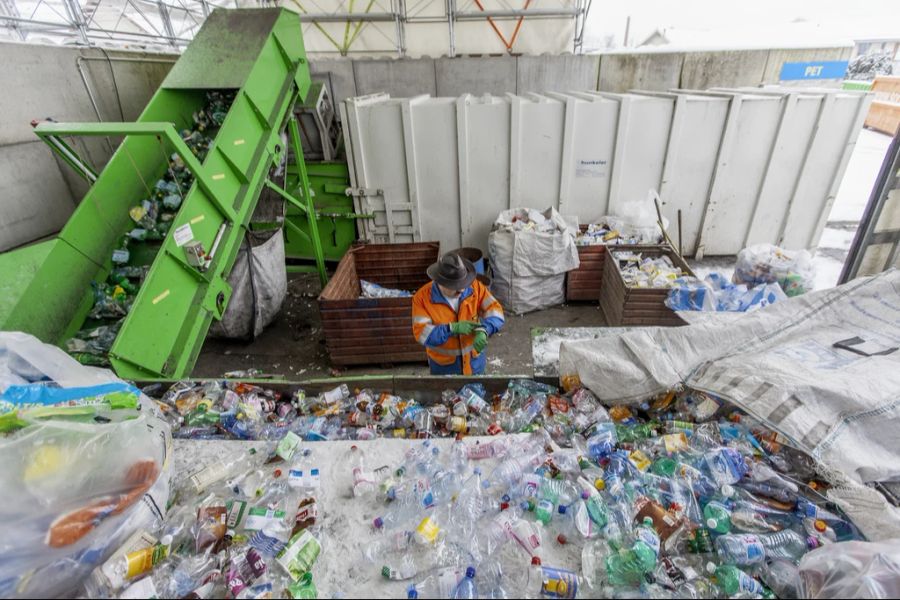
(681, 497)
(717, 294)
(373, 290)
(613, 231)
(658, 506)
(152, 217)
(765, 263)
(237, 410)
(647, 272)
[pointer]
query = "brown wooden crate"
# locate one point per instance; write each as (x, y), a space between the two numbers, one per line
(629, 306)
(377, 330)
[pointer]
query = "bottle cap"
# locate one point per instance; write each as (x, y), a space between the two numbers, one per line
(710, 567)
(477, 470)
(535, 561)
(386, 572)
(820, 525)
(711, 523)
(561, 538)
(353, 448)
(600, 484)
(504, 505)
(470, 572)
(378, 522)
(411, 592)
(277, 473)
(727, 491)
(562, 509)
(585, 495)
(812, 543)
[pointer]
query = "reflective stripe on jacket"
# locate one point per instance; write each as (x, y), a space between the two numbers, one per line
(432, 315)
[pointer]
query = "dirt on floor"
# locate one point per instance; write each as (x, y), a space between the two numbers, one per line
(294, 346)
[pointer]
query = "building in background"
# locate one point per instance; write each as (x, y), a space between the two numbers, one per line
(887, 47)
(377, 28)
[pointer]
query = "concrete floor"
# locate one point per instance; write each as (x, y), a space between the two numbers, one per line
(294, 346)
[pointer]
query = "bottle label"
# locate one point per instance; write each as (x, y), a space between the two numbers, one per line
(145, 588)
(531, 483)
(526, 535)
(309, 479)
(260, 516)
(675, 442)
(640, 460)
(650, 538)
(558, 583)
(748, 584)
(236, 512)
(288, 445)
(207, 476)
(105, 577)
(139, 562)
(755, 552)
(300, 554)
(427, 531)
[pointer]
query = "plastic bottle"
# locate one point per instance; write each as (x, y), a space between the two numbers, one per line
(232, 464)
(470, 504)
(718, 517)
(744, 520)
(596, 507)
(444, 486)
(725, 465)
(362, 480)
(493, 449)
(439, 585)
(510, 471)
(820, 530)
(593, 562)
(782, 577)
(763, 473)
(338, 394)
(602, 441)
(405, 507)
(574, 524)
(787, 544)
(550, 582)
(770, 491)
(741, 549)
(629, 566)
(732, 580)
(466, 588)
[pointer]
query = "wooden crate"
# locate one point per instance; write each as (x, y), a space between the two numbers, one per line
(625, 306)
(583, 283)
(884, 113)
(375, 330)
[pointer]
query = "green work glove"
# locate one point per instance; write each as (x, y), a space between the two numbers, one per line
(463, 327)
(480, 341)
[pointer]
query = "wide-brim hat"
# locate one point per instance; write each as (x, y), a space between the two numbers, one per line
(452, 271)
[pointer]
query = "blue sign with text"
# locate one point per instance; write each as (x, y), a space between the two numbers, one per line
(827, 69)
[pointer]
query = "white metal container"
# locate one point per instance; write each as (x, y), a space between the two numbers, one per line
(743, 166)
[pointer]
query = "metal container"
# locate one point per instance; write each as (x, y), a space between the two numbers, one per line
(742, 166)
(375, 330)
(625, 306)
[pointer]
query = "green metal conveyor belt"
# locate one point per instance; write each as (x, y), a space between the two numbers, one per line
(259, 54)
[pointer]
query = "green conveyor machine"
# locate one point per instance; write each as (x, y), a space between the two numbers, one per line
(256, 55)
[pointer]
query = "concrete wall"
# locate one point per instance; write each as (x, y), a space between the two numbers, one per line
(38, 192)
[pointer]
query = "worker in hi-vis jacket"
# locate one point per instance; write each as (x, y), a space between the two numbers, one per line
(453, 317)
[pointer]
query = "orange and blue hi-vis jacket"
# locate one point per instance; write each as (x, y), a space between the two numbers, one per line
(432, 314)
